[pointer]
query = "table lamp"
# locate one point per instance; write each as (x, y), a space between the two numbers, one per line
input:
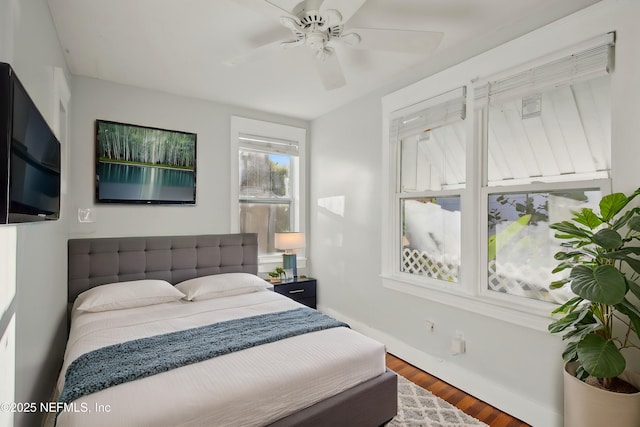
(289, 241)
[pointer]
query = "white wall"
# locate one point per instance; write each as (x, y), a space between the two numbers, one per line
(95, 99)
(7, 320)
(28, 42)
(515, 368)
(345, 216)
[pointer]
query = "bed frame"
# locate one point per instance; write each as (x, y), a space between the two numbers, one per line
(96, 261)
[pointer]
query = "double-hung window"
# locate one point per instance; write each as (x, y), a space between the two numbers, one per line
(430, 143)
(268, 181)
(471, 194)
(547, 144)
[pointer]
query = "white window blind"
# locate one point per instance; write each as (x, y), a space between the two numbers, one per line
(595, 61)
(438, 111)
(264, 144)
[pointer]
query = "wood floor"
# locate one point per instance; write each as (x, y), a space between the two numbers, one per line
(469, 404)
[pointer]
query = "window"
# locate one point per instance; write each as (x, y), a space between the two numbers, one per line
(267, 171)
(431, 237)
(551, 123)
(548, 139)
(431, 145)
(521, 246)
(267, 181)
(471, 198)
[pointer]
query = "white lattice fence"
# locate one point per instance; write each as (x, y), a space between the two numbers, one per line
(416, 262)
(522, 280)
(510, 280)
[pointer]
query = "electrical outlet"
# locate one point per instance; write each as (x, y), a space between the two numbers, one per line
(458, 344)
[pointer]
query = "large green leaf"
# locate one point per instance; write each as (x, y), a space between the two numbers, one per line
(567, 255)
(587, 217)
(634, 288)
(574, 319)
(568, 321)
(562, 266)
(570, 353)
(634, 223)
(634, 195)
(622, 253)
(557, 284)
(599, 357)
(581, 374)
(607, 239)
(611, 204)
(622, 221)
(568, 306)
(570, 229)
(574, 243)
(603, 284)
(633, 263)
(580, 331)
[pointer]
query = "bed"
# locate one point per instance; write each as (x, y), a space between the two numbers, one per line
(329, 376)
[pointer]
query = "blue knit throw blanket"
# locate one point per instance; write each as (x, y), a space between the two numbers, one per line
(140, 358)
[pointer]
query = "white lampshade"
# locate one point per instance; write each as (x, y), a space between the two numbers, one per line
(289, 240)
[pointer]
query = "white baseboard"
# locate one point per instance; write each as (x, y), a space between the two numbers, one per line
(483, 388)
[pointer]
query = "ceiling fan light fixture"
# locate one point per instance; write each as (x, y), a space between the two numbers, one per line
(317, 41)
(324, 53)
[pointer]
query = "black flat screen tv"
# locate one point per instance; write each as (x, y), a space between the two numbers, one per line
(30, 156)
(144, 165)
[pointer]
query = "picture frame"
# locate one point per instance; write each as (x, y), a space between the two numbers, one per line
(144, 165)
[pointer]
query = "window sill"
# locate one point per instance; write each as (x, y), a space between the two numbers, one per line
(527, 313)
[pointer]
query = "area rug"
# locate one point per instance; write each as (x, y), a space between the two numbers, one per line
(417, 407)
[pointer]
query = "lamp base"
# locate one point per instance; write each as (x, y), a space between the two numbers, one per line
(289, 263)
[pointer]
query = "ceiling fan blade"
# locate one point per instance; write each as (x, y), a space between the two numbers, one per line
(312, 4)
(406, 41)
(330, 71)
(265, 8)
(347, 8)
(257, 54)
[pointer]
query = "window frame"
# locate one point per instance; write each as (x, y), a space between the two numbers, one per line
(473, 294)
(451, 107)
(275, 131)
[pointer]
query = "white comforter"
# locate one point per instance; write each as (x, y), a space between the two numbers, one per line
(251, 387)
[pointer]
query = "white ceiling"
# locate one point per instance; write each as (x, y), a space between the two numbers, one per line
(179, 46)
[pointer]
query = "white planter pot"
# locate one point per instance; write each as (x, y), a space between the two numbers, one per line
(588, 406)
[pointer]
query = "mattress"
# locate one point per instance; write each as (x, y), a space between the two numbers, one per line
(252, 387)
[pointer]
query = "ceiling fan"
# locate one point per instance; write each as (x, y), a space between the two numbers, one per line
(321, 28)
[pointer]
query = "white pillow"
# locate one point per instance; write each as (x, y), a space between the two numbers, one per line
(120, 295)
(221, 285)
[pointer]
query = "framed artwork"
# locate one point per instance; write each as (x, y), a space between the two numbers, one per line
(144, 165)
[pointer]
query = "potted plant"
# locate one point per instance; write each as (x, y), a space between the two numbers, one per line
(276, 275)
(601, 252)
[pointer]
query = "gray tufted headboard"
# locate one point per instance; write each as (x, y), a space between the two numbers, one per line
(96, 261)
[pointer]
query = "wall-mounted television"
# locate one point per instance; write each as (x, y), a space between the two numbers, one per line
(30, 156)
(144, 165)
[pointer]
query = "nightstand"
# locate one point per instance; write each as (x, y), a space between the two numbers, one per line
(298, 289)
